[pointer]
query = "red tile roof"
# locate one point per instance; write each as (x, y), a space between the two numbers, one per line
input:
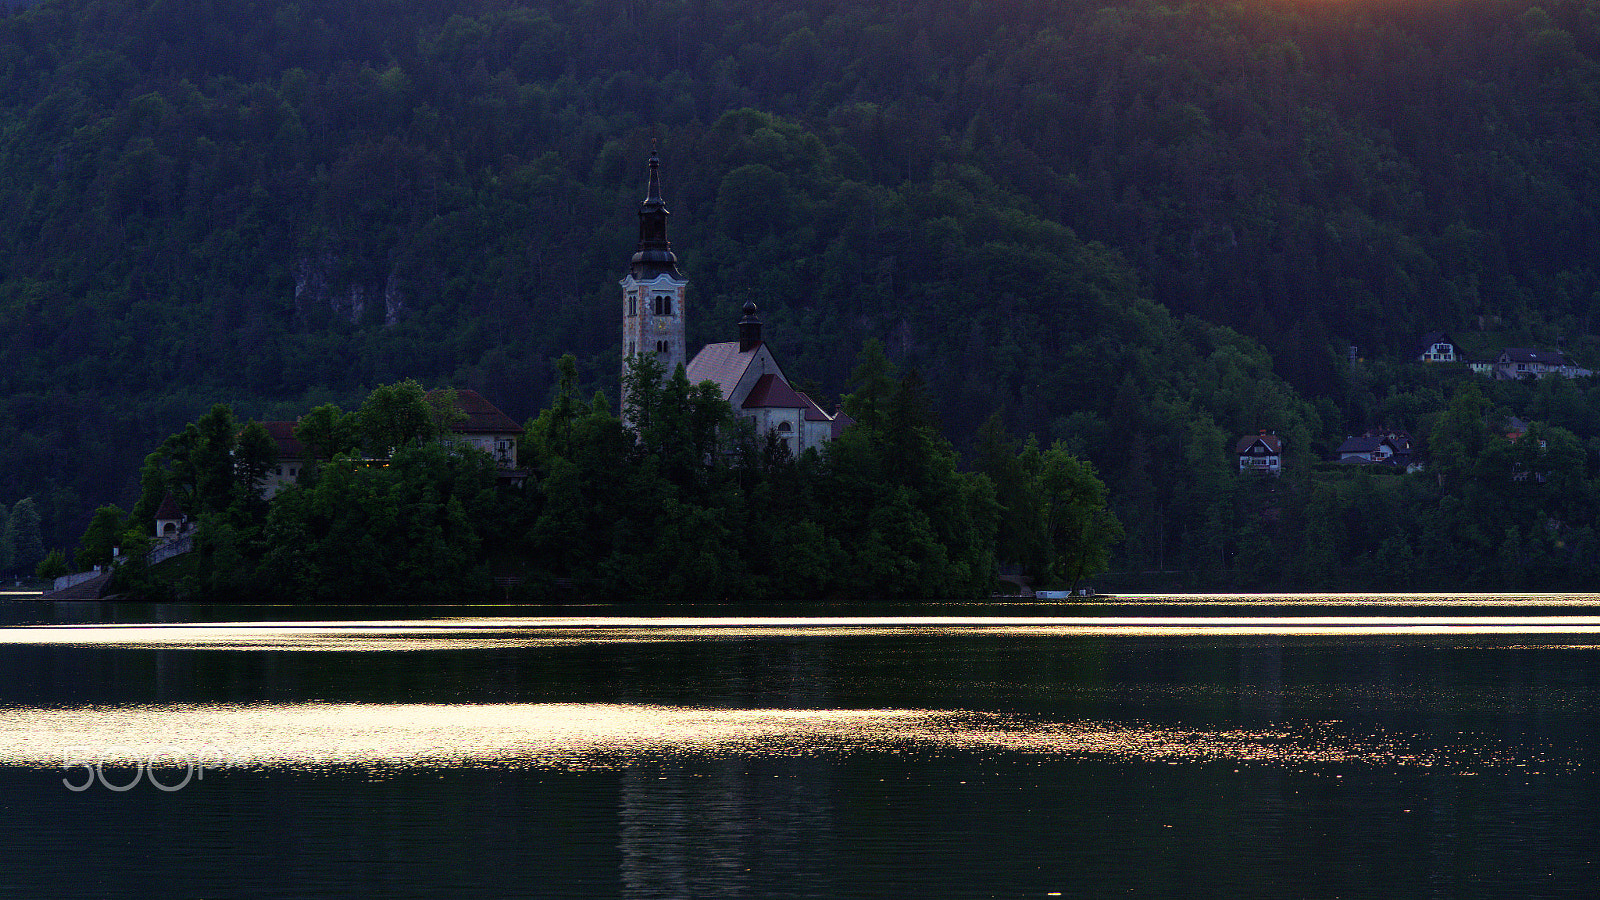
(282, 434)
(482, 416)
(1273, 443)
(841, 421)
(814, 412)
(721, 363)
(169, 508)
(772, 392)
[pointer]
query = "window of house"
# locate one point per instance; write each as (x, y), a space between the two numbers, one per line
(784, 427)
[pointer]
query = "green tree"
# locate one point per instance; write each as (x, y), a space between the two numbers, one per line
(1079, 529)
(874, 381)
(7, 541)
(53, 565)
(255, 455)
(103, 535)
(326, 431)
(396, 415)
(23, 535)
(212, 460)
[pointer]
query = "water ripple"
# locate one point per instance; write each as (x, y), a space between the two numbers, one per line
(320, 736)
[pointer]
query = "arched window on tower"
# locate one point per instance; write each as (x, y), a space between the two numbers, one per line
(633, 305)
(663, 305)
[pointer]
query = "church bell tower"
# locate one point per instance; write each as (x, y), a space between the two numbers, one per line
(653, 294)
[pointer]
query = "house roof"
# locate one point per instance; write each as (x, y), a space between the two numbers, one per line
(1272, 442)
(841, 420)
(1431, 338)
(1361, 461)
(483, 417)
(169, 508)
(721, 363)
(1364, 444)
(814, 412)
(1399, 440)
(1529, 355)
(772, 392)
(282, 434)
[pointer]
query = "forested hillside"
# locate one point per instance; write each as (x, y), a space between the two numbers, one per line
(1065, 211)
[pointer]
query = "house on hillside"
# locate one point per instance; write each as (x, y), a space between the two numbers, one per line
(1437, 346)
(1377, 447)
(1524, 362)
(1515, 428)
(1260, 454)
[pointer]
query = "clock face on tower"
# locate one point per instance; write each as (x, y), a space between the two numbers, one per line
(661, 326)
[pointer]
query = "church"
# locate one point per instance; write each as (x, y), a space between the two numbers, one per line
(654, 315)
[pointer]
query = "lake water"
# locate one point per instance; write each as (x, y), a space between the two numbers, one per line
(1394, 746)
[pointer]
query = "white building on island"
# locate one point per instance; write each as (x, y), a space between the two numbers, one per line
(654, 315)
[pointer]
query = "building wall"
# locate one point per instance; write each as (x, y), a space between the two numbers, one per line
(501, 446)
(645, 331)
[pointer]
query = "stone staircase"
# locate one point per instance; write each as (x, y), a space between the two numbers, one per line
(88, 589)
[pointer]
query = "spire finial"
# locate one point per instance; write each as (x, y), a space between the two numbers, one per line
(653, 194)
(655, 251)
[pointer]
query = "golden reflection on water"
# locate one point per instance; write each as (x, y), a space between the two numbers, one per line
(321, 736)
(486, 632)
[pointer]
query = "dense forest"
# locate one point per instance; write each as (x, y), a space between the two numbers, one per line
(1139, 228)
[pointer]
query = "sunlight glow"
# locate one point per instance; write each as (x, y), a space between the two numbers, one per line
(324, 736)
(475, 633)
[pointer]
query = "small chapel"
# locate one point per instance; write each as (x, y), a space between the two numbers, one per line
(654, 315)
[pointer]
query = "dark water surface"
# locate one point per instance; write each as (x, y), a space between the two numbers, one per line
(1365, 746)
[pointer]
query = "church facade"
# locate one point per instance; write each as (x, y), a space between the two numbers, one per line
(654, 314)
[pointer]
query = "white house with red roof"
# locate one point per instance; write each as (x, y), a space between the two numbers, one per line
(291, 458)
(754, 385)
(483, 426)
(486, 428)
(1260, 454)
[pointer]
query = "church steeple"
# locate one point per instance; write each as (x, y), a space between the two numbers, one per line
(654, 256)
(749, 328)
(654, 295)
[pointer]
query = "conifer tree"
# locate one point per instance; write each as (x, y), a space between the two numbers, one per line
(23, 536)
(7, 541)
